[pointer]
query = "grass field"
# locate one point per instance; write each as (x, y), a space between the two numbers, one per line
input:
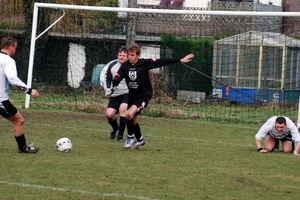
(182, 159)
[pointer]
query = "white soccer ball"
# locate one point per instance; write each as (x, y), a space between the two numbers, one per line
(64, 144)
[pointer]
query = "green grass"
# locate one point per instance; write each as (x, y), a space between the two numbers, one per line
(182, 159)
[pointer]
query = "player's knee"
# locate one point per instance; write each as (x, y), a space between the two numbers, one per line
(128, 116)
(110, 115)
(122, 112)
(123, 109)
(287, 150)
(269, 148)
(19, 122)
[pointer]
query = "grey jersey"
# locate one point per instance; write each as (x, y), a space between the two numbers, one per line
(122, 87)
(8, 75)
(269, 128)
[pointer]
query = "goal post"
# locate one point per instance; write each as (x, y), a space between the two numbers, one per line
(241, 57)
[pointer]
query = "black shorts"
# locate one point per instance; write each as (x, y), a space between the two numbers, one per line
(287, 138)
(139, 103)
(115, 102)
(7, 109)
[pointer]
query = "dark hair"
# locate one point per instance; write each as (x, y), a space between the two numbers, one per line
(7, 42)
(134, 48)
(123, 49)
(280, 120)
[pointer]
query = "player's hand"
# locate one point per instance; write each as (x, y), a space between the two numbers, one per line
(116, 77)
(263, 151)
(34, 93)
(187, 58)
(108, 91)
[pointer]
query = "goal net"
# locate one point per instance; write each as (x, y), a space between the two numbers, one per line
(246, 65)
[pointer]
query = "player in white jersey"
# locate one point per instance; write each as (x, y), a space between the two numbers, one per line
(278, 128)
(118, 96)
(8, 75)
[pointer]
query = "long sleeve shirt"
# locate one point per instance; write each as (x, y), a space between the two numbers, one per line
(269, 128)
(111, 71)
(8, 75)
(137, 75)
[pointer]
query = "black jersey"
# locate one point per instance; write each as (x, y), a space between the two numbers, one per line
(137, 75)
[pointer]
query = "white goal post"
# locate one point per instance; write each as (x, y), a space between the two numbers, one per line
(37, 6)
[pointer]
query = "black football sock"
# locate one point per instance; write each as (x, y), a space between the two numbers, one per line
(123, 122)
(137, 132)
(130, 129)
(21, 141)
(114, 124)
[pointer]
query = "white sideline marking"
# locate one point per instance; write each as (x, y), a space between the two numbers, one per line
(75, 191)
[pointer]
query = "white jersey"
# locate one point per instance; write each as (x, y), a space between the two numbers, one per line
(8, 75)
(107, 75)
(103, 75)
(269, 128)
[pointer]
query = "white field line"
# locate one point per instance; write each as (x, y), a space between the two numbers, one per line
(82, 192)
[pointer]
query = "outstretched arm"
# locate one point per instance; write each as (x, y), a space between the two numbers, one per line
(11, 74)
(187, 58)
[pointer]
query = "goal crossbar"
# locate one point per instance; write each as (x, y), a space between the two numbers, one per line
(167, 11)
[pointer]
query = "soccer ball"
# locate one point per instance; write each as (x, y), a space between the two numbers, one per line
(64, 144)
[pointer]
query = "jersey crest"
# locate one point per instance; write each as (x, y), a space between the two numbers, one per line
(132, 75)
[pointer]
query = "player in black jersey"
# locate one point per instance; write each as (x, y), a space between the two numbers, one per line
(136, 74)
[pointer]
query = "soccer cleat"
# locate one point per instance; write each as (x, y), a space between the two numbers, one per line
(30, 149)
(138, 143)
(128, 143)
(113, 133)
(119, 139)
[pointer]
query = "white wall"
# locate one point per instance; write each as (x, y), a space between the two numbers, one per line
(123, 4)
(148, 2)
(187, 3)
(196, 3)
(150, 51)
(274, 2)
